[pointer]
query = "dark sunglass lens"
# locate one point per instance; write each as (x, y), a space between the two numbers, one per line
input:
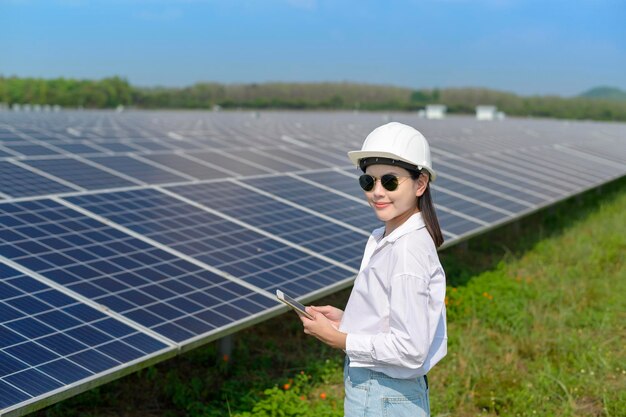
(366, 182)
(389, 182)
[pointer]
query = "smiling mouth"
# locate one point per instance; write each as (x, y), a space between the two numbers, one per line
(381, 205)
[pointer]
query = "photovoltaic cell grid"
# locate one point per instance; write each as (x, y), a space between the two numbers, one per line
(148, 285)
(236, 250)
(79, 173)
(77, 148)
(49, 340)
(188, 166)
(452, 168)
(610, 150)
(524, 181)
(16, 181)
(489, 173)
(30, 150)
(317, 199)
(293, 224)
(147, 173)
(347, 184)
(452, 225)
(265, 161)
(238, 166)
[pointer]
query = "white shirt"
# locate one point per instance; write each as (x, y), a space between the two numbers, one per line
(396, 316)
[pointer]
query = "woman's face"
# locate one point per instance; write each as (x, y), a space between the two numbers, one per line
(397, 205)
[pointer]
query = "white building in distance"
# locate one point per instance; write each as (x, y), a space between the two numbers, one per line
(486, 112)
(436, 111)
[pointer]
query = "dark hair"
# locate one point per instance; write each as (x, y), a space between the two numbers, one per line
(427, 208)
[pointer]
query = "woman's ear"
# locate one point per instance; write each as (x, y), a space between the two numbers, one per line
(422, 183)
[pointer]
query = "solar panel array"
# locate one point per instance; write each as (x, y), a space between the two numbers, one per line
(129, 237)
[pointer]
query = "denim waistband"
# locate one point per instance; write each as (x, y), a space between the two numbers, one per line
(382, 374)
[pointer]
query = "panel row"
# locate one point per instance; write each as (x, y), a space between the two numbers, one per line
(49, 340)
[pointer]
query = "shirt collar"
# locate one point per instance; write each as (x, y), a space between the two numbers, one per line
(415, 222)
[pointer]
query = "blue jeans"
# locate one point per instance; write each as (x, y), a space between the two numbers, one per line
(370, 393)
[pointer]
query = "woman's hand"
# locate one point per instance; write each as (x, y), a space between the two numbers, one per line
(324, 326)
(331, 313)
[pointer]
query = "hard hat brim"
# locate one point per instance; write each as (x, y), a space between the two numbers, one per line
(356, 156)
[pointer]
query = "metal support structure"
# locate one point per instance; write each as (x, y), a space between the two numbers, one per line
(225, 348)
(516, 227)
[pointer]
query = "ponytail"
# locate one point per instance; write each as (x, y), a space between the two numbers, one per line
(427, 208)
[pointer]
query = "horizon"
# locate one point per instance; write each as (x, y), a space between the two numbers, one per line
(366, 84)
(523, 47)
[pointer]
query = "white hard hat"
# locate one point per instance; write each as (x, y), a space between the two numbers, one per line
(395, 144)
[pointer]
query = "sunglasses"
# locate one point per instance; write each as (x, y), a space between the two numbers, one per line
(389, 182)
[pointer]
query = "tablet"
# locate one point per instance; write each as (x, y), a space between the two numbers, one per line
(298, 308)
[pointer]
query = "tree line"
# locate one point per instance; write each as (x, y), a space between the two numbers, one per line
(115, 91)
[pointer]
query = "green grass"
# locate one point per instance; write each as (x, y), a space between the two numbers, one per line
(536, 315)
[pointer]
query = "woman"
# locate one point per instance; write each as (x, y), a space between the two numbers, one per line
(393, 329)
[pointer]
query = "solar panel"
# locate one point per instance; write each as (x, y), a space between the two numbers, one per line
(473, 208)
(16, 181)
(528, 170)
(146, 173)
(146, 284)
(77, 148)
(49, 340)
(317, 199)
(469, 191)
(293, 224)
(296, 158)
(608, 150)
(570, 165)
(188, 166)
(452, 224)
(183, 237)
(453, 169)
(274, 164)
(345, 181)
(28, 149)
(116, 147)
(515, 179)
(151, 146)
(79, 173)
(231, 163)
(334, 157)
(243, 253)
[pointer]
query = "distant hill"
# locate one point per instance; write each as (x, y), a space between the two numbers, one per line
(608, 93)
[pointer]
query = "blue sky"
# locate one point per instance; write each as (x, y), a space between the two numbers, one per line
(527, 47)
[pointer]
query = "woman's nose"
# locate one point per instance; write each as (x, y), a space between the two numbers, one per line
(378, 190)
